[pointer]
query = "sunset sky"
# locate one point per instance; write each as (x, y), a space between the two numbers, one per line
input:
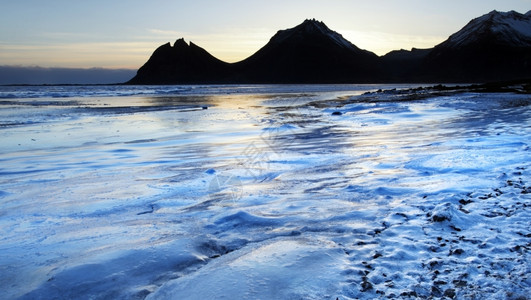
(123, 34)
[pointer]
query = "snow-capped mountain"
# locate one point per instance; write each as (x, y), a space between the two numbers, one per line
(495, 46)
(509, 28)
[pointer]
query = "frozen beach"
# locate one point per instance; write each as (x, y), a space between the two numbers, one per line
(263, 192)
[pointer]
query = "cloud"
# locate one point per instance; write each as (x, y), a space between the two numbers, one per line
(40, 75)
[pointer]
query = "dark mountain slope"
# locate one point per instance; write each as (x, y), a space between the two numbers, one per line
(403, 65)
(495, 46)
(181, 63)
(310, 53)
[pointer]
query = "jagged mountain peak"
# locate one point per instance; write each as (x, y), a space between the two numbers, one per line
(180, 43)
(310, 25)
(510, 28)
(313, 27)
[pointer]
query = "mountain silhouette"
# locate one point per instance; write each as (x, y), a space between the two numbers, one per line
(181, 63)
(309, 53)
(403, 65)
(495, 46)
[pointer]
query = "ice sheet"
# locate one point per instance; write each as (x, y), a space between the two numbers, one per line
(269, 194)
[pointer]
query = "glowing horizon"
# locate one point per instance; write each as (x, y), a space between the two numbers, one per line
(122, 34)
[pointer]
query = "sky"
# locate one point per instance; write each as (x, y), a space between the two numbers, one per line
(123, 34)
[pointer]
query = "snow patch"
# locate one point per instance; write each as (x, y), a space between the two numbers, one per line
(281, 269)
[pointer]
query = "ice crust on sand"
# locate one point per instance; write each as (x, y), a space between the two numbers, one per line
(266, 195)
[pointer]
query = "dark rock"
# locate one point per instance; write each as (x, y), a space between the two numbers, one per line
(434, 263)
(366, 286)
(337, 113)
(459, 283)
(435, 291)
(433, 249)
(438, 218)
(457, 251)
(455, 228)
(465, 202)
(450, 293)
(409, 294)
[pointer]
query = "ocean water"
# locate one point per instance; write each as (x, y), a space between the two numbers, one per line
(262, 192)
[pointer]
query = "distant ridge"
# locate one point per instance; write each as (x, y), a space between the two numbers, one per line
(495, 46)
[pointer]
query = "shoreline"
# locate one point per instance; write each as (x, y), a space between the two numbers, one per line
(494, 86)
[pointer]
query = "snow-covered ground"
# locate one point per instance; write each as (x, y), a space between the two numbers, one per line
(263, 192)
